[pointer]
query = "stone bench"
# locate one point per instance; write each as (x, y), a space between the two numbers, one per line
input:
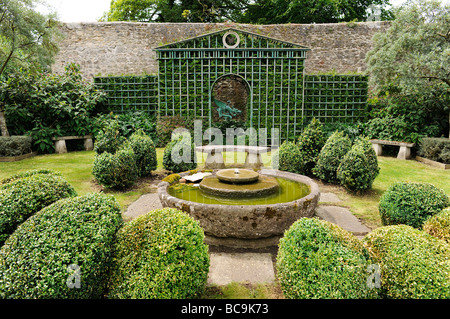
(405, 148)
(215, 160)
(60, 143)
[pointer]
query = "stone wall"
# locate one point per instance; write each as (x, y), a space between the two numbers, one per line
(123, 48)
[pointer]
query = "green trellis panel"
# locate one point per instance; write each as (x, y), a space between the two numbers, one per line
(273, 70)
(281, 95)
(130, 93)
(335, 98)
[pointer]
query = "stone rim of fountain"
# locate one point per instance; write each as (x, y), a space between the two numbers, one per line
(246, 226)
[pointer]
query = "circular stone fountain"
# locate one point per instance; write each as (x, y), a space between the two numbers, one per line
(243, 208)
(238, 183)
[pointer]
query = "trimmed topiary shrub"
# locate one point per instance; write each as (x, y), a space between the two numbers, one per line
(116, 171)
(64, 251)
(331, 155)
(23, 197)
(317, 259)
(413, 264)
(109, 139)
(288, 158)
(144, 153)
(310, 144)
(27, 174)
(179, 155)
(439, 225)
(359, 167)
(160, 255)
(15, 145)
(411, 203)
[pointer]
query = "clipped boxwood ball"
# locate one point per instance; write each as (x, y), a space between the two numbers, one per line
(288, 158)
(439, 225)
(116, 171)
(412, 263)
(320, 260)
(63, 251)
(160, 255)
(27, 193)
(411, 203)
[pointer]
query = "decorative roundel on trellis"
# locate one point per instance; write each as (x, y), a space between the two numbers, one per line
(231, 40)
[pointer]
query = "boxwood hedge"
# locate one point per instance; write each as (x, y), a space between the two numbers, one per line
(411, 203)
(21, 197)
(63, 251)
(179, 155)
(160, 255)
(27, 174)
(413, 264)
(317, 259)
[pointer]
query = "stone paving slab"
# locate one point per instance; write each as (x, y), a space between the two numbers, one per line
(240, 267)
(143, 205)
(342, 217)
(329, 198)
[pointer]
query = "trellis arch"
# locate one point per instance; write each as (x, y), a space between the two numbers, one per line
(273, 69)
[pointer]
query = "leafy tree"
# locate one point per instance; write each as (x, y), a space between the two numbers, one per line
(27, 40)
(175, 11)
(414, 53)
(305, 11)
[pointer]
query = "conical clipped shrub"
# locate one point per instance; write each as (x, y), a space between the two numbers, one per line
(310, 143)
(359, 167)
(331, 155)
(288, 158)
(144, 153)
(320, 260)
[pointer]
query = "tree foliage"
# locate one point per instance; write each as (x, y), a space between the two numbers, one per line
(414, 52)
(244, 11)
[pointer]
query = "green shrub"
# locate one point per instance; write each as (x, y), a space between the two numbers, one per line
(23, 197)
(317, 259)
(21, 175)
(436, 149)
(331, 155)
(116, 171)
(165, 126)
(439, 225)
(144, 153)
(109, 138)
(310, 143)
(411, 203)
(160, 255)
(359, 167)
(40, 260)
(179, 155)
(15, 145)
(45, 105)
(412, 263)
(288, 158)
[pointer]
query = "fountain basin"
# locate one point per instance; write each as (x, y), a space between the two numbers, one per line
(247, 226)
